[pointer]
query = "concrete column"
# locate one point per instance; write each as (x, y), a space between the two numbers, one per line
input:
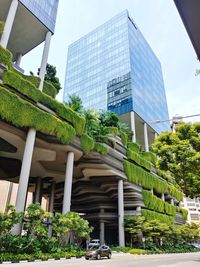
(24, 177)
(133, 126)
(172, 201)
(44, 59)
(146, 142)
(68, 183)
(121, 213)
(18, 59)
(9, 23)
(51, 206)
(38, 190)
(152, 191)
(155, 136)
(102, 232)
(163, 197)
(138, 209)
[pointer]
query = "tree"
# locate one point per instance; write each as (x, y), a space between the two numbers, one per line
(133, 226)
(51, 77)
(75, 103)
(179, 153)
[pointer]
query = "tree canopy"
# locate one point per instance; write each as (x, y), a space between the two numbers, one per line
(179, 154)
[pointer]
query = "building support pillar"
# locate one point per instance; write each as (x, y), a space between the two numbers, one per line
(44, 59)
(146, 142)
(133, 128)
(102, 233)
(155, 136)
(68, 183)
(18, 59)
(121, 213)
(163, 197)
(24, 177)
(152, 191)
(9, 23)
(51, 207)
(38, 190)
(172, 201)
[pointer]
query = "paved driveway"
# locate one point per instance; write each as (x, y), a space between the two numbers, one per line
(123, 260)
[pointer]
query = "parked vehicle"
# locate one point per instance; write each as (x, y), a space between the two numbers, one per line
(98, 252)
(94, 242)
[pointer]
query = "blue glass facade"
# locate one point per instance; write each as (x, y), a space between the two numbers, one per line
(44, 10)
(114, 68)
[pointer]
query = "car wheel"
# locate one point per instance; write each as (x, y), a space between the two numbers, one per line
(109, 256)
(98, 257)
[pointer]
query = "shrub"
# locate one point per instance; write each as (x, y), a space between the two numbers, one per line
(2, 23)
(140, 161)
(137, 251)
(22, 113)
(112, 130)
(150, 156)
(5, 57)
(101, 148)
(133, 146)
(124, 138)
(170, 209)
(87, 143)
(152, 202)
(175, 192)
(152, 215)
(28, 89)
(141, 177)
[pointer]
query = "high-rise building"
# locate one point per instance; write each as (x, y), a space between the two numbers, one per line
(27, 24)
(114, 68)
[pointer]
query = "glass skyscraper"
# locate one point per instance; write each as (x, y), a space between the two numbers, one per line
(44, 10)
(114, 68)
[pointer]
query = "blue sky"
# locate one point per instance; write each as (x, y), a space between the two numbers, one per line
(160, 24)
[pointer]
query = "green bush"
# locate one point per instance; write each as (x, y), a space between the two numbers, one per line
(170, 209)
(139, 160)
(134, 147)
(5, 57)
(183, 211)
(101, 148)
(152, 202)
(28, 89)
(150, 156)
(141, 177)
(175, 192)
(112, 130)
(87, 143)
(152, 215)
(124, 138)
(2, 23)
(137, 251)
(22, 113)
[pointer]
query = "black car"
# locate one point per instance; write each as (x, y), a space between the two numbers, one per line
(98, 252)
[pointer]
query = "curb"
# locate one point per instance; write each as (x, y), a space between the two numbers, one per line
(39, 260)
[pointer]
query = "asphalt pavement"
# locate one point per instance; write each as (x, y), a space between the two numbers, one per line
(122, 260)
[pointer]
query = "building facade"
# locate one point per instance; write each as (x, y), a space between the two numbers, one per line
(114, 68)
(193, 208)
(38, 18)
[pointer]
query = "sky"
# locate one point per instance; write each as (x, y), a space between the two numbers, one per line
(162, 27)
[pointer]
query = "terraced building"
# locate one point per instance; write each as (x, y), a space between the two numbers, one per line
(44, 147)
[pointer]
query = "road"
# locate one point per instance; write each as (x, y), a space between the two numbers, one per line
(123, 260)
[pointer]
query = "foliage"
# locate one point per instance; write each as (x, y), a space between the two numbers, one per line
(175, 192)
(179, 153)
(29, 90)
(109, 119)
(5, 57)
(152, 202)
(124, 138)
(70, 223)
(112, 130)
(137, 251)
(87, 143)
(75, 103)
(9, 219)
(22, 113)
(2, 23)
(148, 155)
(133, 147)
(152, 215)
(134, 226)
(170, 209)
(184, 212)
(141, 177)
(131, 155)
(101, 148)
(165, 175)
(50, 77)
